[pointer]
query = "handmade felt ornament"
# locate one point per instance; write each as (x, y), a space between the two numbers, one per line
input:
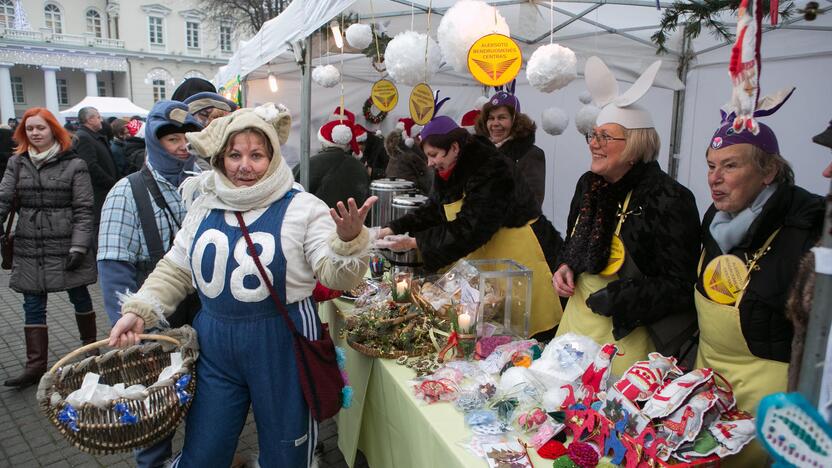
(793, 432)
(595, 377)
(671, 395)
(551, 450)
(744, 65)
(686, 422)
(733, 432)
(613, 445)
(643, 378)
(615, 406)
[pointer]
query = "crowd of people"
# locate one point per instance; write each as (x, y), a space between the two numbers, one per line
(157, 210)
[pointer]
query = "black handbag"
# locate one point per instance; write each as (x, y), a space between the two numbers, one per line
(7, 242)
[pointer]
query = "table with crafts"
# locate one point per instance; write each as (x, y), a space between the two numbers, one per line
(386, 422)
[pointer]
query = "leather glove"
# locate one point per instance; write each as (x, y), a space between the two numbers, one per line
(74, 261)
(600, 302)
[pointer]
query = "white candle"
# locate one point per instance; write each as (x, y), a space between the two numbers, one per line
(464, 321)
(401, 288)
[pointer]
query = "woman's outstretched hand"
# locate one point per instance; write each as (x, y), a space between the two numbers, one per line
(349, 219)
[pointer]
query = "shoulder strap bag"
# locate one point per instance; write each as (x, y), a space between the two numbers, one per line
(317, 365)
(7, 244)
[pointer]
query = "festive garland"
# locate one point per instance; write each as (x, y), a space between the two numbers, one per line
(368, 113)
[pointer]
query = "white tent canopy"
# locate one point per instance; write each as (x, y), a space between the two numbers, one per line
(107, 107)
(794, 53)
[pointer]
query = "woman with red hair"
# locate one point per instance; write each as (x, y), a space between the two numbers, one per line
(49, 187)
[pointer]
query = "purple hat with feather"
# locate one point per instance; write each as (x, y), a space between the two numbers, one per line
(504, 97)
(439, 124)
(765, 139)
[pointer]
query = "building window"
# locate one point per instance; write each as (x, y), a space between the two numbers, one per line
(63, 92)
(154, 24)
(6, 14)
(94, 23)
(102, 89)
(159, 90)
(225, 38)
(54, 18)
(17, 90)
(192, 34)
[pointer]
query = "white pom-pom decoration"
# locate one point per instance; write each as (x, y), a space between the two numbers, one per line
(462, 25)
(326, 75)
(405, 58)
(585, 97)
(359, 36)
(341, 134)
(586, 117)
(551, 67)
(554, 121)
(409, 142)
(481, 101)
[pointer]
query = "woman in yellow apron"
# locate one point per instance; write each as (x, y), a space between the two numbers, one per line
(477, 211)
(754, 235)
(628, 265)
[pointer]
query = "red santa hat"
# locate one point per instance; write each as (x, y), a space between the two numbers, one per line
(469, 120)
(346, 115)
(360, 133)
(134, 126)
(410, 130)
(338, 133)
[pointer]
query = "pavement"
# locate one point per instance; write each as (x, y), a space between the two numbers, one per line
(27, 437)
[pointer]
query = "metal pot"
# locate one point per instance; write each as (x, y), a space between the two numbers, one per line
(386, 190)
(402, 205)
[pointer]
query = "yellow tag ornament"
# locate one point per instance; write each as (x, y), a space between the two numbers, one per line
(494, 60)
(724, 279)
(617, 254)
(421, 104)
(385, 96)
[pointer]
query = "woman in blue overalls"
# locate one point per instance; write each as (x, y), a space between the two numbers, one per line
(246, 355)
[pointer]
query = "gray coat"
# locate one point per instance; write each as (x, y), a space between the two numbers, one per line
(55, 214)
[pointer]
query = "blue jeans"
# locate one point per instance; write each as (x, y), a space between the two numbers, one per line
(156, 455)
(34, 305)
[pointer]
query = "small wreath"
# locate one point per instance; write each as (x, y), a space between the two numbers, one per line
(368, 112)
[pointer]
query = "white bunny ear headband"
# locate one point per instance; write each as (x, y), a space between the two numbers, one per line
(619, 108)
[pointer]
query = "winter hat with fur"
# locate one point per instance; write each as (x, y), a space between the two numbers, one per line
(410, 130)
(338, 134)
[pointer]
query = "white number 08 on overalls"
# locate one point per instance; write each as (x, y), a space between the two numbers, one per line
(246, 264)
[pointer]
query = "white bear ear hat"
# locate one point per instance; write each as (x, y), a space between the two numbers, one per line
(620, 109)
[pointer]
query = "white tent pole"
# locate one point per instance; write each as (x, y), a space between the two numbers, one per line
(305, 112)
(678, 117)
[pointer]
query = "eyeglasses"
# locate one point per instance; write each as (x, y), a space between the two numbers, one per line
(601, 138)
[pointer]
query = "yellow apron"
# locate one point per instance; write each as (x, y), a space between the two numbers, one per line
(723, 349)
(579, 318)
(521, 245)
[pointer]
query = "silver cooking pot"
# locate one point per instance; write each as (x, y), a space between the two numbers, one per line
(402, 205)
(386, 190)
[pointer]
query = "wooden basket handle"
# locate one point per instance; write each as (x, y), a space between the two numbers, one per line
(101, 343)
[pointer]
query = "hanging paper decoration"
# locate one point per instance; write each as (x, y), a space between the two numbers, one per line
(551, 67)
(494, 60)
(744, 66)
(326, 76)
(462, 25)
(554, 121)
(422, 105)
(405, 58)
(359, 36)
(384, 95)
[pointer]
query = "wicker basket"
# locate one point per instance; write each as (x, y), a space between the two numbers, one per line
(101, 431)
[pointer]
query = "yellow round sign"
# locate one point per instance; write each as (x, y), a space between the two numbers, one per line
(385, 96)
(421, 104)
(617, 255)
(494, 60)
(724, 279)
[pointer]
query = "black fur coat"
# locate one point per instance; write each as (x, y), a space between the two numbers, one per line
(662, 241)
(492, 201)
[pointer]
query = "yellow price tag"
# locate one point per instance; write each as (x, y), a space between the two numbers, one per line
(494, 60)
(724, 279)
(616, 260)
(421, 104)
(385, 96)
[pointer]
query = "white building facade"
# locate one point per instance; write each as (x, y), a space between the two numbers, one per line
(54, 53)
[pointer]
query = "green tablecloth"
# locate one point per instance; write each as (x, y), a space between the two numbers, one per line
(391, 427)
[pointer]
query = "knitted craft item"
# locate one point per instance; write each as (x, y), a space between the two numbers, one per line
(564, 462)
(552, 450)
(583, 455)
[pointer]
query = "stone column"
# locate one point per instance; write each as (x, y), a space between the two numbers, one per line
(50, 88)
(92, 82)
(6, 97)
